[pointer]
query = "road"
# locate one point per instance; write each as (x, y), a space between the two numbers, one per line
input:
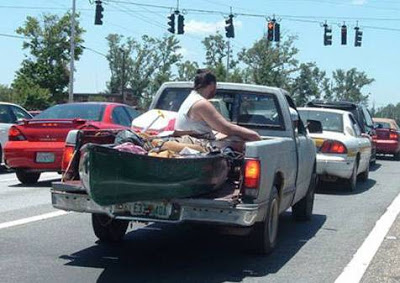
(64, 249)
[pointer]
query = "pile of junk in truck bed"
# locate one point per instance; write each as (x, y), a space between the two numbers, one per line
(140, 167)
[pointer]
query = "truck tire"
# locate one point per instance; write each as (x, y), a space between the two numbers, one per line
(263, 238)
(303, 209)
(351, 183)
(27, 178)
(107, 229)
(396, 156)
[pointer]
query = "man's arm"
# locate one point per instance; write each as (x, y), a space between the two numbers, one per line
(205, 111)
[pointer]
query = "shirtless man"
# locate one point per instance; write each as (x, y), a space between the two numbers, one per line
(198, 115)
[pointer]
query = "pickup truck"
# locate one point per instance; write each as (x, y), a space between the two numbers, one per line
(274, 174)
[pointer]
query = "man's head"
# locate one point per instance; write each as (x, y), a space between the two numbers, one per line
(205, 83)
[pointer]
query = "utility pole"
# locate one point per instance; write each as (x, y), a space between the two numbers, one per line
(72, 51)
(227, 60)
(123, 76)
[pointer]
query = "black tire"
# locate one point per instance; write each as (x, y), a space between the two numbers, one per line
(264, 236)
(107, 229)
(27, 178)
(396, 156)
(351, 183)
(303, 209)
(364, 175)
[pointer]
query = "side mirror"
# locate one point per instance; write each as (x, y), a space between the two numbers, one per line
(314, 127)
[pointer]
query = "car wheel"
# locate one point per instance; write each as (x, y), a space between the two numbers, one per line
(352, 182)
(364, 175)
(396, 156)
(107, 229)
(27, 178)
(264, 236)
(303, 209)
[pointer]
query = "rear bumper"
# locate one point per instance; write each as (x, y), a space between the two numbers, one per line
(185, 210)
(387, 146)
(335, 165)
(22, 154)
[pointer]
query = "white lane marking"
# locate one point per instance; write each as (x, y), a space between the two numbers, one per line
(32, 219)
(356, 268)
(40, 180)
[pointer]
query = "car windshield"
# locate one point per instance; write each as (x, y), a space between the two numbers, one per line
(93, 112)
(330, 121)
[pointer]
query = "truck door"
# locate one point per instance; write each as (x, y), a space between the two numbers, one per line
(305, 147)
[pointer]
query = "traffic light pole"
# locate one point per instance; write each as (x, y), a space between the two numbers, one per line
(72, 51)
(227, 60)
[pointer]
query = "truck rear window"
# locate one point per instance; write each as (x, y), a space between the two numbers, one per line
(259, 110)
(92, 112)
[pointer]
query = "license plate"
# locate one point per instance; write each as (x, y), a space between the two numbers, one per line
(45, 157)
(152, 209)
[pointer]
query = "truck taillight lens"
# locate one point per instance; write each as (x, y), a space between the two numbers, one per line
(393, 136)
(252, 170)
(15, 135)
(330, 146)
(67, 156)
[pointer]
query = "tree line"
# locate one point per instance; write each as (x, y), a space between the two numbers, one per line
(140, 65)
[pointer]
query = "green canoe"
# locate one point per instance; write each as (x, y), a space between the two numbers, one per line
(115, 177)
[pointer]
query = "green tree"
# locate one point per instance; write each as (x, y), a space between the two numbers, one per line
(270, 64)
(46, 66)
(389, 111)
(347, 85)
(6, 93)
(308, 84)
(187, 70)
(30, 95)
(147, 64)
(217, 50)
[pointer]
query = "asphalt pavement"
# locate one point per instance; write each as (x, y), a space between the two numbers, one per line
(64, 249)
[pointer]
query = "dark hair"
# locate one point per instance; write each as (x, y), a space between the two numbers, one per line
(204, 78)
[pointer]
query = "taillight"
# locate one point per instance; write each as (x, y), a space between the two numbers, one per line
(14, 134)
(330, 146)
(393, 136)
(67, 156)
(252, 170)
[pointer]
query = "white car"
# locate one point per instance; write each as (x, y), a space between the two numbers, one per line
(9, 115)
(342, 151)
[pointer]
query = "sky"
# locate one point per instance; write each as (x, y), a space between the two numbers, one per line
(379, 56)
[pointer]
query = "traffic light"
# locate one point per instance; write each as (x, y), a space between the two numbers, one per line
(358, 37)
(99, 13)
(230, 30)
(270, 34)
(181, 20)
(277, 33)
(327, 35)
(344, 34)
(171, 23)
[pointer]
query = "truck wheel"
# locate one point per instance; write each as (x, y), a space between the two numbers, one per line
(364, 175)
(396, 156)
(351, 183)
(107, 229)
(264, 235)
(303, 209)
(27, 178)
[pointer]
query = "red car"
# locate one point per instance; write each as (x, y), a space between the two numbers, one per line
(388, 137)
(37, 145)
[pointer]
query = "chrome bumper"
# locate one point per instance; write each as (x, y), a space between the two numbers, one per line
(186, 210)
